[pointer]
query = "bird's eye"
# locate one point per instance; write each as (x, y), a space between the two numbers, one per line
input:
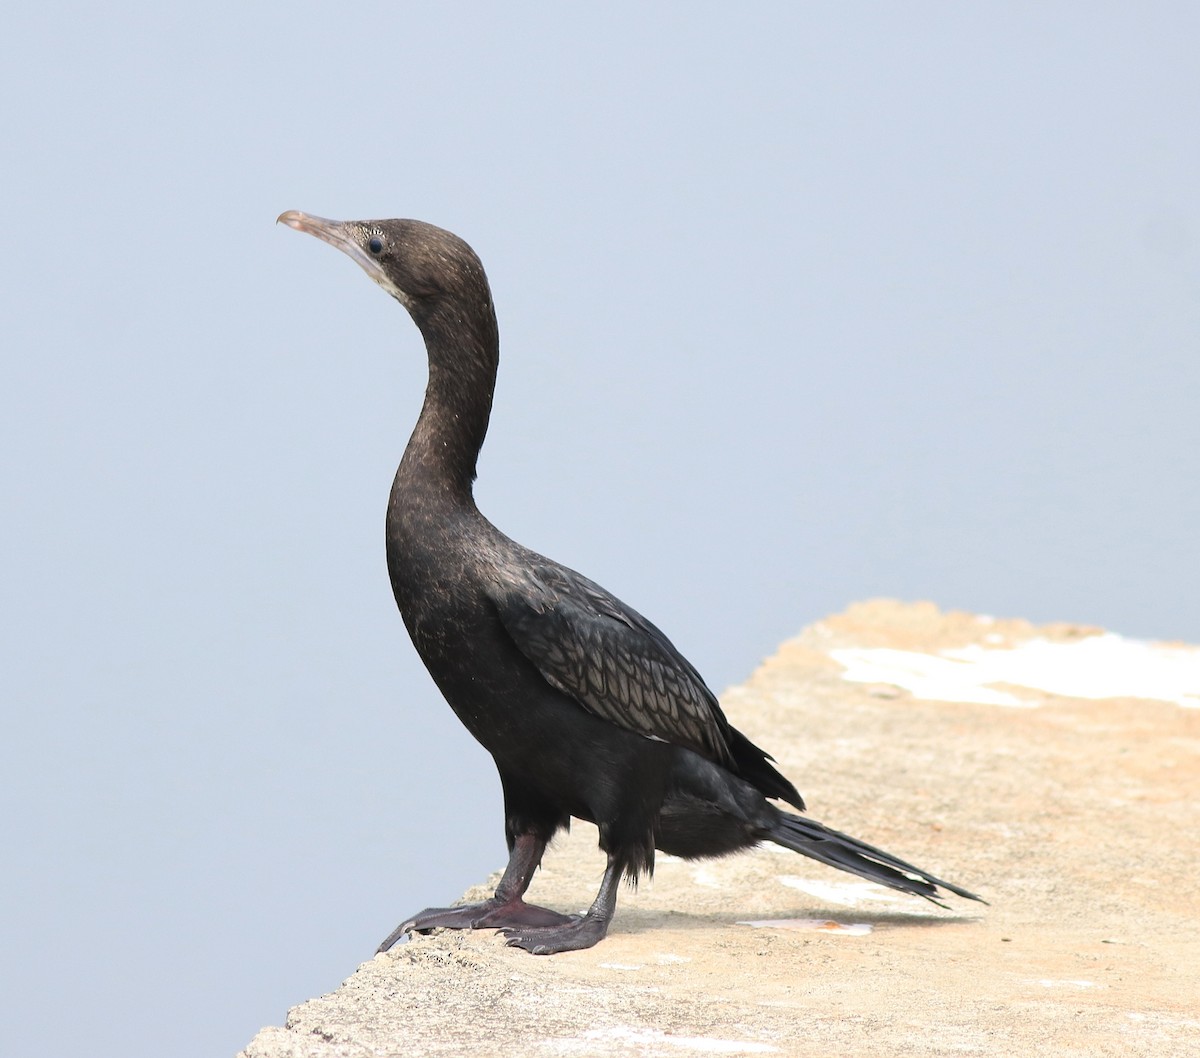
(375, 244)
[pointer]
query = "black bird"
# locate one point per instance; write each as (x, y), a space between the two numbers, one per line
(586, 707)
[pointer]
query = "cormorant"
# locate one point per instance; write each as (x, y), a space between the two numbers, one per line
(586, 707)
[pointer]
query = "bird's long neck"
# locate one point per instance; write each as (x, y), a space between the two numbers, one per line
(442, 452)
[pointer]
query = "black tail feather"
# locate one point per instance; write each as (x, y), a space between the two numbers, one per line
(813, 839)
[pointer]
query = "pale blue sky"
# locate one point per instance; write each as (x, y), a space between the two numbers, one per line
(800, 304)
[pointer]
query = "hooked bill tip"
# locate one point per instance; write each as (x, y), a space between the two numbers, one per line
(293, 218)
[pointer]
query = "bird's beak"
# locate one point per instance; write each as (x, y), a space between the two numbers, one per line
(339, 233)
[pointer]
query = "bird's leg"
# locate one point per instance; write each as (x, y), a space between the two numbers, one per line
(506, 909)
(579, 931)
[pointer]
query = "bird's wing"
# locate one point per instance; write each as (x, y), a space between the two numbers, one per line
(615, 663)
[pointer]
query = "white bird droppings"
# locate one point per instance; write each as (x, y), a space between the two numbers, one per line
(822, 925)
(1100, 666)
(849, 894)
(583, 1043)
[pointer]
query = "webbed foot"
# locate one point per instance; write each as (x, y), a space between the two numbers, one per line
(579, 932)
(487, 914)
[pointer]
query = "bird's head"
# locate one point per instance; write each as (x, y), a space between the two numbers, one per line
(428, 270)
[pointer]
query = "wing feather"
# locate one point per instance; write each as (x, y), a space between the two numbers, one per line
(604, 654)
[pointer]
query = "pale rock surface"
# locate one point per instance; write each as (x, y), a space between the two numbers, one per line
(1076, 817)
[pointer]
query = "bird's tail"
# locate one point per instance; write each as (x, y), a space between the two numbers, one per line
(813, 839)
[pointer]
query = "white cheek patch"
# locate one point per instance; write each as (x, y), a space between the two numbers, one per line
(381, 278)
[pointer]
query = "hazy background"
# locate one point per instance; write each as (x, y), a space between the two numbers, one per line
(801, 304)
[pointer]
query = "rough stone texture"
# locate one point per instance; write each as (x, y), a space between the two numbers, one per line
(1076, 819)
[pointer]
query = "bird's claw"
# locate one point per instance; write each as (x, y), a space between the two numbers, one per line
(582, 931)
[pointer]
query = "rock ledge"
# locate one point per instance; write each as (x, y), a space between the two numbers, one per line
(1076, 817)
